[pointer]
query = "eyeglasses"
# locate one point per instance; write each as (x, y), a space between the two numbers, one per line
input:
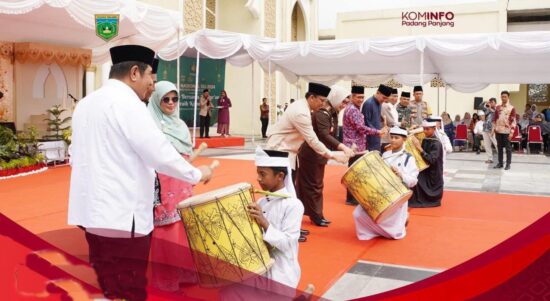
(167, 99)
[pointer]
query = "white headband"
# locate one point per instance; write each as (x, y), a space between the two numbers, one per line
(264, 160)
(398, 131)
(428, 124)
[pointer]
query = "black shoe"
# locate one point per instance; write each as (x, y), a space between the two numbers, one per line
(478, 152)
(318, 222)
(489, 161)
(352, 203)
(507, 167)
(207, 137)
(498, 166)
(302, 238)
(326, 221)
(304, 232)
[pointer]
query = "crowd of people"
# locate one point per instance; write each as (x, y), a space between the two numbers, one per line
(483, 137)
(131, 167)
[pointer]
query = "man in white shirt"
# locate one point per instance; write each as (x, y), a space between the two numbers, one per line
(115, 151)
(478, 132)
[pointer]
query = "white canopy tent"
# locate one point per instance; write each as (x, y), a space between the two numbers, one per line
(72, 23)
(466, 63)
(237, 49)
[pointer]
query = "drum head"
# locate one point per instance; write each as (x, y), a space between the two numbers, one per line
(212, 195)
(358, 161)
(391, 209)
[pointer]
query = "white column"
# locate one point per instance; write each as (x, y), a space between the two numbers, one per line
(105, 69)
(90, 79)
(253, 107)
(197, 73)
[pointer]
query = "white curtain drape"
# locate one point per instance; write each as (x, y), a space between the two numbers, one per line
(140, 23)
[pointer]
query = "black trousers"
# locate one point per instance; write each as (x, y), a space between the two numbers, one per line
(349, 196)
(503, 141)
(204, 124)
(120, 265)
(477, 142)
(264, 121)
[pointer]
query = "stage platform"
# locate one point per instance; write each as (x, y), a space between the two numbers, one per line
(217, 142)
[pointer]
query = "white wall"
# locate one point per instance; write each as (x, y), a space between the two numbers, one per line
(468, 18)
(233, 16)
(26, 104)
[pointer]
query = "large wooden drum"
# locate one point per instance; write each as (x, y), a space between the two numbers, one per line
(374, 185)
(226, 243)
(411, 149)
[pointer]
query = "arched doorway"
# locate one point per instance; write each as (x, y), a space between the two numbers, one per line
(298, 25)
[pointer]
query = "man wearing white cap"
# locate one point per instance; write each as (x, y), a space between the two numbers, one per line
(404, 166)
(478, 132)
(311, 171)
(429, 190)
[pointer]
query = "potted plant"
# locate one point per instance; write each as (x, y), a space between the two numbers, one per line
(19, 153)
(55, 123)
(55, 144)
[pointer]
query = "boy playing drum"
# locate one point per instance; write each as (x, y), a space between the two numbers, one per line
(280, 218)
(404, 166)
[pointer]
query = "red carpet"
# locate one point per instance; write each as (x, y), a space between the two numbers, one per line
(215, 142)
(466, 225)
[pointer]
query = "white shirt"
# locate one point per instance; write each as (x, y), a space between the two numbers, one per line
(285, 218)
(445, 142)
(478, 129)
(116, 148)
(409, 171)
(394, 225)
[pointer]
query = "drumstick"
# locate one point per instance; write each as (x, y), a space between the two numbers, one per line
(214, 164)
(270, 193)
(197, 152)
(307, 294)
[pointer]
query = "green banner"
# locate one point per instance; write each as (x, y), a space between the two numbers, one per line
(212, 77)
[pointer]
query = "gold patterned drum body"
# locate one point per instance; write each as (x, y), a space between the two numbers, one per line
(411, 149)
(226, 243)
(375, 186)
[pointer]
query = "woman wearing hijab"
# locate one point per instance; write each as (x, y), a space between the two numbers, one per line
(311, 170)
(224, 103)
(170, 256)
(448, 126)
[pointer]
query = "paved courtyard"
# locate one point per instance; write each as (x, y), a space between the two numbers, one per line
(466, 171)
